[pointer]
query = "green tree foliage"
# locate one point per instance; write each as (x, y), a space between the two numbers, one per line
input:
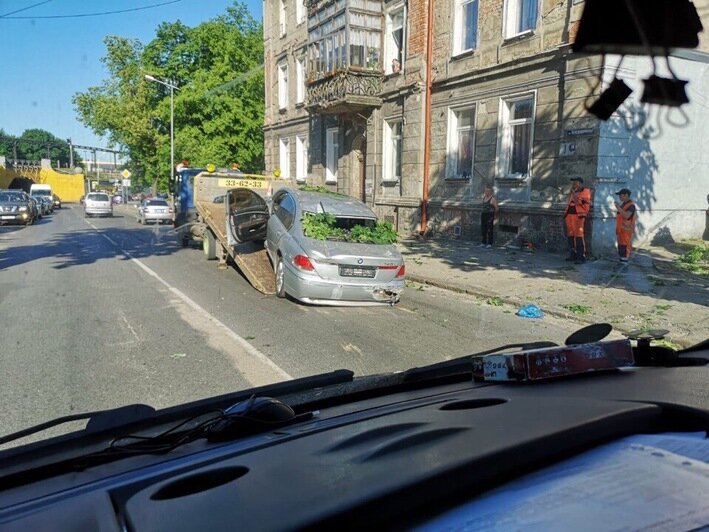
(37, 144)
(218, 108)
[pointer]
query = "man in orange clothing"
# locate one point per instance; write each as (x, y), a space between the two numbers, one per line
(575, 218)
(625, 223)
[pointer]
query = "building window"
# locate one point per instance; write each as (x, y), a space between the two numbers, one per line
(284, 157)
(515, 136)
(300, 80)
(301, 158)
(282, 18)
(299, 11)
(466, 26)
(282, 85)
(392, 150)
(394, 44)
(461, 143)
(331, 155)
(520, 16)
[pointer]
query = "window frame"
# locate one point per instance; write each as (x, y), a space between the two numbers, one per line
(388, 39)
(300, 12)
(389, 165)
(300, 79)
(282, 19)
(283, 85)
(505, 136)
(332, 148)
(512, 19)
(452, 171)
(284, 156)
(458, 28)
(301, 158)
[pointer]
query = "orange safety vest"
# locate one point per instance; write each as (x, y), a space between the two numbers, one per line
(579, 202)
(623, 225)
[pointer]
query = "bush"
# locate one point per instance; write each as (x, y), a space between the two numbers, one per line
(323, 227)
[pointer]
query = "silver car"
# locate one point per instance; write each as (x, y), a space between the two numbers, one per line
(97, 204)
(154, 210)
(330, 271)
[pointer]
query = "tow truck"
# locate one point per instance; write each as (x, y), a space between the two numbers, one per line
(227, 212)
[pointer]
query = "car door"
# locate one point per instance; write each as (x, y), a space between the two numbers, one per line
(247, 216)
(282, 217)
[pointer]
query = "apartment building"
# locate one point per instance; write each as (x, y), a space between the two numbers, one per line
(502, 101)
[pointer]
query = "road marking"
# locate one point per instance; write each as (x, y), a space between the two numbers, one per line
(264, 371)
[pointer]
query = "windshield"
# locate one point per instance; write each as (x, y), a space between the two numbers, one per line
(510, 212)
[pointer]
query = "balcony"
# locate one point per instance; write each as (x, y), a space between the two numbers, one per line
(345, 91)
(344, 55)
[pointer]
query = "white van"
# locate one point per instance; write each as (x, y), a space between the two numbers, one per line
(41, 190)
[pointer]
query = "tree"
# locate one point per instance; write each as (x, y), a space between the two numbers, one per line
(220, 127)
(37, 144)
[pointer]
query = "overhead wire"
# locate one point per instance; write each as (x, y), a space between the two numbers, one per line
(83, 15)
(6, 15)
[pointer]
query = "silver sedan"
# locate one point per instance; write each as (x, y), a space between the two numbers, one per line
(331, 269)
(154, 210)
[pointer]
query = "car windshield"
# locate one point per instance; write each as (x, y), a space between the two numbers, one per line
(500, 184)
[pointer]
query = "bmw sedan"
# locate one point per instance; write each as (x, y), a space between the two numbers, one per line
(154, 210)
(329, 249)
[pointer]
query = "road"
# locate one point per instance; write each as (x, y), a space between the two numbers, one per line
(99, 313)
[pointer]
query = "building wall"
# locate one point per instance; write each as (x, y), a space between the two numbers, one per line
(293, 120)
(664, 165)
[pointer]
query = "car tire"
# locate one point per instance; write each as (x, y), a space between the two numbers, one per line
(139, 220)
(280, 274)
(209, 245)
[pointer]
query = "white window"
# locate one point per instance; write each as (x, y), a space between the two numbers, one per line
(300, 80)
(301, 158)
(392, 150)
(465, 31)
(394, 44)
(520, 16)
(283, 85)
(284, 157)
(299, 11)
(461, 143)
(515, 136)
(331, 155)
(282, 18)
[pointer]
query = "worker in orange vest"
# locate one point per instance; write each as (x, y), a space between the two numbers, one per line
(575, 218)
(625, 223)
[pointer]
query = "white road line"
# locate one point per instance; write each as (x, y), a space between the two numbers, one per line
(250, 349)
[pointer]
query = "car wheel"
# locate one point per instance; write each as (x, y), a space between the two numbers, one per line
(209, 245)
(139, 220)
(280, 278)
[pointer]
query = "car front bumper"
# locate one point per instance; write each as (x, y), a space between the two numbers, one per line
(338, 293)
(15, 218)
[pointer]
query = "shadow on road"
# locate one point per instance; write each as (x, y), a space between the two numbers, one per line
(88, 246)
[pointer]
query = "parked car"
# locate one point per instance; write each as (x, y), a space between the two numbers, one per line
(154, 210)
(48, 203)
(35, 208)
(15, 208)
(97, 204)
(57, 202)
(330, 271)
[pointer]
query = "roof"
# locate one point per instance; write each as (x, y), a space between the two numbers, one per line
(317, 202)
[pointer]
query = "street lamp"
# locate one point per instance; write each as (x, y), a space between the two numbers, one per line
(172, 122)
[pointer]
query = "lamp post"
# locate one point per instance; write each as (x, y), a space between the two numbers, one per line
(172, 122)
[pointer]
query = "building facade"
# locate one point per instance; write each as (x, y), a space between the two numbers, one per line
(414, 106)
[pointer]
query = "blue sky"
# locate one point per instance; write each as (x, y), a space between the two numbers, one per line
(46, 61)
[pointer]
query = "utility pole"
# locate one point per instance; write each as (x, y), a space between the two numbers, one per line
(71, 154)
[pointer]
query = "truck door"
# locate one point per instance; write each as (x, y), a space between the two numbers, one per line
(247, 216)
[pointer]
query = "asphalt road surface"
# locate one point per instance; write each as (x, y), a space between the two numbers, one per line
(103, 312)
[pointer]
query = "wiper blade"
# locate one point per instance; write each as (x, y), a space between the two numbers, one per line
(98, 420)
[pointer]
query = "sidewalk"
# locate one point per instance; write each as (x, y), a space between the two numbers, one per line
(646, 293)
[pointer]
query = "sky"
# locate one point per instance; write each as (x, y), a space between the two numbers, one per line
(45, 61)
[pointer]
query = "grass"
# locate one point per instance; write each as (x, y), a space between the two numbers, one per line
(695, 260)
(495, 301)
(667, 343)
(578, 309)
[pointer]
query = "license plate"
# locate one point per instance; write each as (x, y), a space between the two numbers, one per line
(161, 211)
(242, 183)
(8, 217)
(358, 271)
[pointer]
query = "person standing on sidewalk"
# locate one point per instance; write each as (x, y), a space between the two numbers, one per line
(625, 223)
(575, 217)
(487, 216)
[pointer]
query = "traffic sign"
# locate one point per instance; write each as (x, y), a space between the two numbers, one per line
(126, 173)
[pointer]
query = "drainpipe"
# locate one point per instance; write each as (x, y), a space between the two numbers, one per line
(427, 119)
